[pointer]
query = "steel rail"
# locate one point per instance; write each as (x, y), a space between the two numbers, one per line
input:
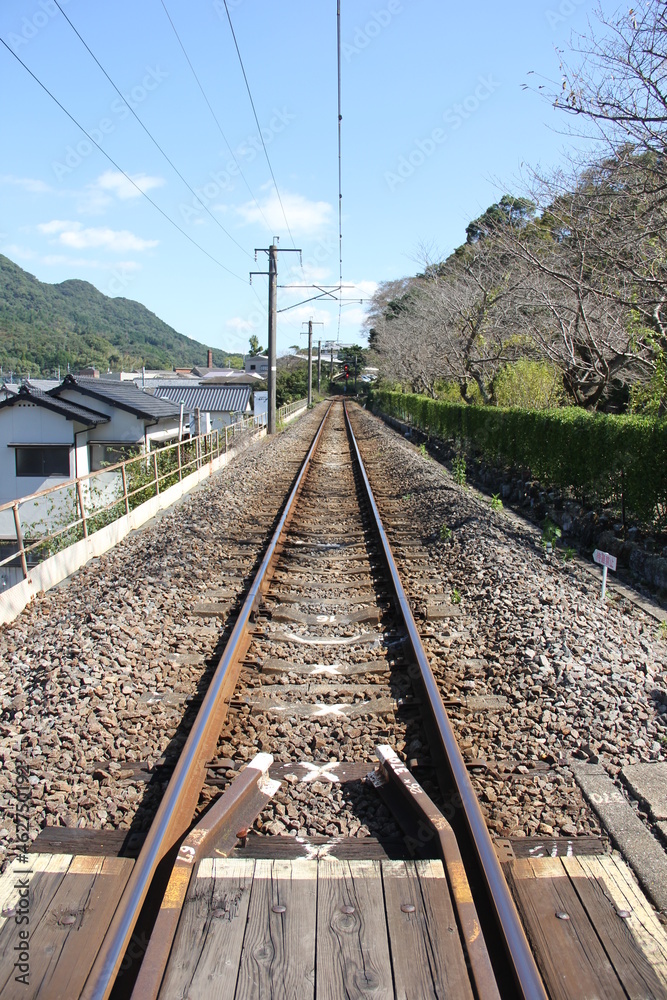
(520, 956)
(179, 802)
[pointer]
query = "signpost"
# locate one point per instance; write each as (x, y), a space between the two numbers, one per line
(608, 562)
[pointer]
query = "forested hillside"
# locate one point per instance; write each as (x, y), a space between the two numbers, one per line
(43, 327)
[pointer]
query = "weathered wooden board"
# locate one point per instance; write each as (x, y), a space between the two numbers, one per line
(72, 901)
(634, 940)
(568, 951)
(206, 954)
(278, 959)
(352, 947)
(426, 953)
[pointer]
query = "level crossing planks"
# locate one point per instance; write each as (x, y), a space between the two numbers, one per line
(71, 901)
(592, 931)
(317, 930)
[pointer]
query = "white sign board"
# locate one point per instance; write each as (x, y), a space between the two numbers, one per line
(604, 559)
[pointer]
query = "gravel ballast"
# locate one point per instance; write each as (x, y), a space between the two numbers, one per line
(584, 681)
(100, 671)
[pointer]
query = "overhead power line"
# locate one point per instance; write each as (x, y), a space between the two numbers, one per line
(117, 166)
(340, 166)
(215, 117)
(148, 133)
(259, 127)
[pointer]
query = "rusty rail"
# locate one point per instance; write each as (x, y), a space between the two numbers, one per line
(526, 975)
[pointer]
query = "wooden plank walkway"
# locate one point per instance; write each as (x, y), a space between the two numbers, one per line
(69, 902)
(317, 930)
(594, 935)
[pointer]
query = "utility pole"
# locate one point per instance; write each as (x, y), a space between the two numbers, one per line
(273, 292)
(356, 359)
(331, 366)
(319, 366)
(273, 252)
(310, 360)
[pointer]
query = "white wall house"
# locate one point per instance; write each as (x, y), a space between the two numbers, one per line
(136, 420)
(39, 440)
(257, 364)
(80, 426)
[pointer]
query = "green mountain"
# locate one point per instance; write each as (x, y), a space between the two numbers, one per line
(43, 327)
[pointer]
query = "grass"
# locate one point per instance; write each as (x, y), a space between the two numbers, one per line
(456, 596)
(496, 502)
(459, 470)
(445, 533)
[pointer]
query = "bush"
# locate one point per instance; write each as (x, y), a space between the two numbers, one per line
(529, 385)
(618, 460)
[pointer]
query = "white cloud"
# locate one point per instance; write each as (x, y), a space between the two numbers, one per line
(303, 313)
(59, 260)
(29, 184)
(56, 226)
(14, 250)
(239, 324)
(116, 182)
(305, 217)
(74, 235)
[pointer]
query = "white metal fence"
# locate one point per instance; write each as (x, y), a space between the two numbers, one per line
(37, 526)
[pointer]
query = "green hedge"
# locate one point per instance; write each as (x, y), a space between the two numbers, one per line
(610, 459)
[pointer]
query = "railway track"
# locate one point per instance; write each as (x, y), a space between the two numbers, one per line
(323, 666)
(320, 835)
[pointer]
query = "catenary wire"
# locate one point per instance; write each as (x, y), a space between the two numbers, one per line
(259, 127)
(340, 167)
(215, 117)
(119, 168)
(149, 134)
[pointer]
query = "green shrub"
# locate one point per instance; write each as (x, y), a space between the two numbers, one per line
(616, 460)
(530, 385)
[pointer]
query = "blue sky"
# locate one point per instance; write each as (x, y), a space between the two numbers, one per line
(435, 125)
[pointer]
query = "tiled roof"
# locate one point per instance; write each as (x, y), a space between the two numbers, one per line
(71, 411)
(124, 395)
(208, 398)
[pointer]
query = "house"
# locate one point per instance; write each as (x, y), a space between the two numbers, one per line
(40, 437)
(257, 364)
(137, 419)
(224, 403)
(48, 438)
(79, 426)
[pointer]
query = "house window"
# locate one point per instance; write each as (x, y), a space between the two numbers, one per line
(102, 455)
(40, 462)
(252, 367)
